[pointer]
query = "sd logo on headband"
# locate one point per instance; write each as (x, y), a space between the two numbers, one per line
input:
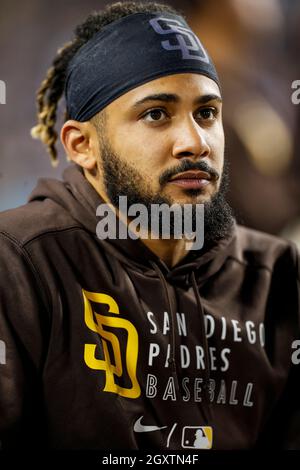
(187, 40)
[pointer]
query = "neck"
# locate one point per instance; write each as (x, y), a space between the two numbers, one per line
(169, 251)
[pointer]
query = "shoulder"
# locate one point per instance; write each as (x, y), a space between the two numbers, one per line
(34, 219)
(262, 249)
(22, 229)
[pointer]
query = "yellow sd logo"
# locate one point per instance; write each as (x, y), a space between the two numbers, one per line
(112, 367)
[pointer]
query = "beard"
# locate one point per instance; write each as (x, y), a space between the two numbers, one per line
(122, 179)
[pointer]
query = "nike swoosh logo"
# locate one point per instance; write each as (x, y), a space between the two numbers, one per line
(139, 427)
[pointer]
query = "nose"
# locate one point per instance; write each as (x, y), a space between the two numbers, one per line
(190, 141)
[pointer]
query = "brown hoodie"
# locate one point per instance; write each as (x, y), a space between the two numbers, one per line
(102, 346)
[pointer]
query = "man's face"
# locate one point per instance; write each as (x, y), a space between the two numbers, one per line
(163, 143)
(163, 129)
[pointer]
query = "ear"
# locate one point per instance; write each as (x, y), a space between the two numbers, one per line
(79, 143)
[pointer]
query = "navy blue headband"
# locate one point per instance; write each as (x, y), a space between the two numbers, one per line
(128, 52)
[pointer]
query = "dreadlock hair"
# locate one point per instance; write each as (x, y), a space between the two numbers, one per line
(52, 87)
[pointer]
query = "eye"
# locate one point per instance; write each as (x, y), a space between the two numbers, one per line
(208, 114)
(154, 115)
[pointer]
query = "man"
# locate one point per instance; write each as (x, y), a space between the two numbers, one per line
(142, 343)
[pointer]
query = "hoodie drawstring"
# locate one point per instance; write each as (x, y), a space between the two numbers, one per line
(207, 410)
(172, 360)
(204, 342)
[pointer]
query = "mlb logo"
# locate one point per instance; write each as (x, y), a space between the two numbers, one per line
(197, 437)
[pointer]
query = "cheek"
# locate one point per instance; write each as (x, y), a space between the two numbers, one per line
(147, 156)
(218, 146)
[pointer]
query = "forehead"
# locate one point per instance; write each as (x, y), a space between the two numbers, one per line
(187, 86)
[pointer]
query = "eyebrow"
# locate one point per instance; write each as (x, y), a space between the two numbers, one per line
(172, 98)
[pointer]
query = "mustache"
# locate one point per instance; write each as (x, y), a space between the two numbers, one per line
(187, 165)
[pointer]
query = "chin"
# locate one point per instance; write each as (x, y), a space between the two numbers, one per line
(195, 198)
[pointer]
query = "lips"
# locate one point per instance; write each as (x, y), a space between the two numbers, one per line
(196, 180)
(192, 175)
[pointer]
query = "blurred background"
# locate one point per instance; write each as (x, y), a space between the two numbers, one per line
(255, 45)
